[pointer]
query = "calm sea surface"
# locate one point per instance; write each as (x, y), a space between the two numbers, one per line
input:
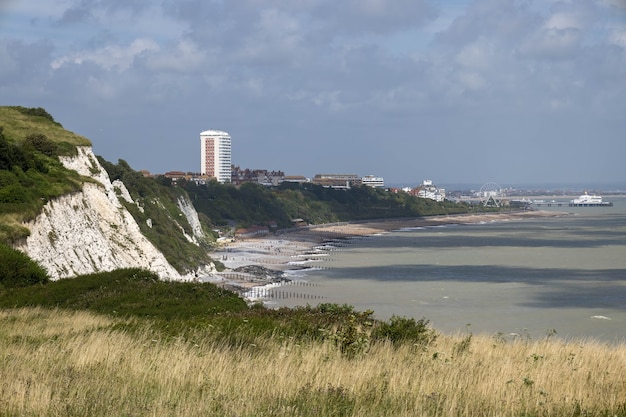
(529, 277)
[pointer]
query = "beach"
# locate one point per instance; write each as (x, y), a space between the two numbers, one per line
(265, 260)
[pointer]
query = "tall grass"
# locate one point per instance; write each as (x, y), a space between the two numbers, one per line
(57, 362)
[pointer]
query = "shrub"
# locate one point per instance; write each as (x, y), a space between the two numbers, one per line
(40, 143)
(129, 292)
(35, 111)
(401, 329)
(351, 336)
(18, 270)
(348, 329)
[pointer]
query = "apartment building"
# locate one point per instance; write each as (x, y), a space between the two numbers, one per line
(215, 155)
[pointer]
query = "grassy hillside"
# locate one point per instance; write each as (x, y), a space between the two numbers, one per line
(255, 204)
(127, 344)
(126, 292)
(30, 171)
(31, 175)
(20, 122)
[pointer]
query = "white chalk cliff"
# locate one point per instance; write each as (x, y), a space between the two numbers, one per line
(91, 231)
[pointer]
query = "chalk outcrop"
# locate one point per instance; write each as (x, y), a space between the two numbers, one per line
(91, 231)
(187, 208)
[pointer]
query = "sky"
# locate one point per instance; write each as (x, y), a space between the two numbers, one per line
(460, 91)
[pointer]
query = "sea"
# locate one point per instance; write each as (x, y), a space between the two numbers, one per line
(539, 277)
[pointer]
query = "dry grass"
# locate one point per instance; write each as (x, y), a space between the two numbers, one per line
(54, 362)
(12, 228)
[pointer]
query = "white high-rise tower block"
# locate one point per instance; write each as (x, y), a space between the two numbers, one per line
(215, 157)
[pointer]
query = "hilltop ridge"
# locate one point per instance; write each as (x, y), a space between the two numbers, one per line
(59, 206)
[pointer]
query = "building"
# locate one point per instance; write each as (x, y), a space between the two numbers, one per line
(300, 179)
(257, 176)
(428, 190)
(336, 180)
(372, 181)
(215, 155)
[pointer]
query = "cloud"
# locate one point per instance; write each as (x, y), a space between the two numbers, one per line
(377, 82)
(618, 37)
(184, 57)
(23, 61)
(74, 15)
(111, 56)
(552, 44)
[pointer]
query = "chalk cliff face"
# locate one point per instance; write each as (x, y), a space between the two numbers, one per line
(187, 208)
(91, 231)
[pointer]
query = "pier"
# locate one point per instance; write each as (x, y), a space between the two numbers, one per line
(554, 203)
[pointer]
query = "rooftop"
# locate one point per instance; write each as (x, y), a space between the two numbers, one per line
(214, 133)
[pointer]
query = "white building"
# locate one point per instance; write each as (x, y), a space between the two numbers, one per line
(215, 155)
(372, 181)
(428, 190)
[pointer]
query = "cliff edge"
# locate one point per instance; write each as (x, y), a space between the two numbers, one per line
(91, 231)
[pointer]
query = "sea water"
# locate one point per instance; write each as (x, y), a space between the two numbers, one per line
(521, 278)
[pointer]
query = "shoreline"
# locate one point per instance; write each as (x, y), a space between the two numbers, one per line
(258, 263)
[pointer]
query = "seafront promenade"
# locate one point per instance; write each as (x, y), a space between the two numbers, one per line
(262, 260)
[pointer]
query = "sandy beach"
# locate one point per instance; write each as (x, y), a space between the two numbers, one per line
(262, 260)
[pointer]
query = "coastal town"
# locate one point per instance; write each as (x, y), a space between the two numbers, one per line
(216, 165)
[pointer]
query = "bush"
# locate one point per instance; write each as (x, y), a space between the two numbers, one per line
(35, 111)
(18, 270)
(401, 329)
(129, 292)
(41, 143)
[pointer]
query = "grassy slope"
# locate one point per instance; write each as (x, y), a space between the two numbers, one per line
(17, 125)
(139, 293)
(254, 204)
(23, 192)
(127, 292)
(195, 350)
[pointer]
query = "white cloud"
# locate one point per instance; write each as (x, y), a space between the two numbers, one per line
(566, 20)
(477, 55)
(274, 36)
(109, 57)
(340, 70)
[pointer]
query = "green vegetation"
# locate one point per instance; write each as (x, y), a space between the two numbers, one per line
(18, 270)
(30, 175)
(20, 122)
(127, 292)
(30, 171)
(177, 307)
(160, 219)
(253, 204)
(124, 343)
